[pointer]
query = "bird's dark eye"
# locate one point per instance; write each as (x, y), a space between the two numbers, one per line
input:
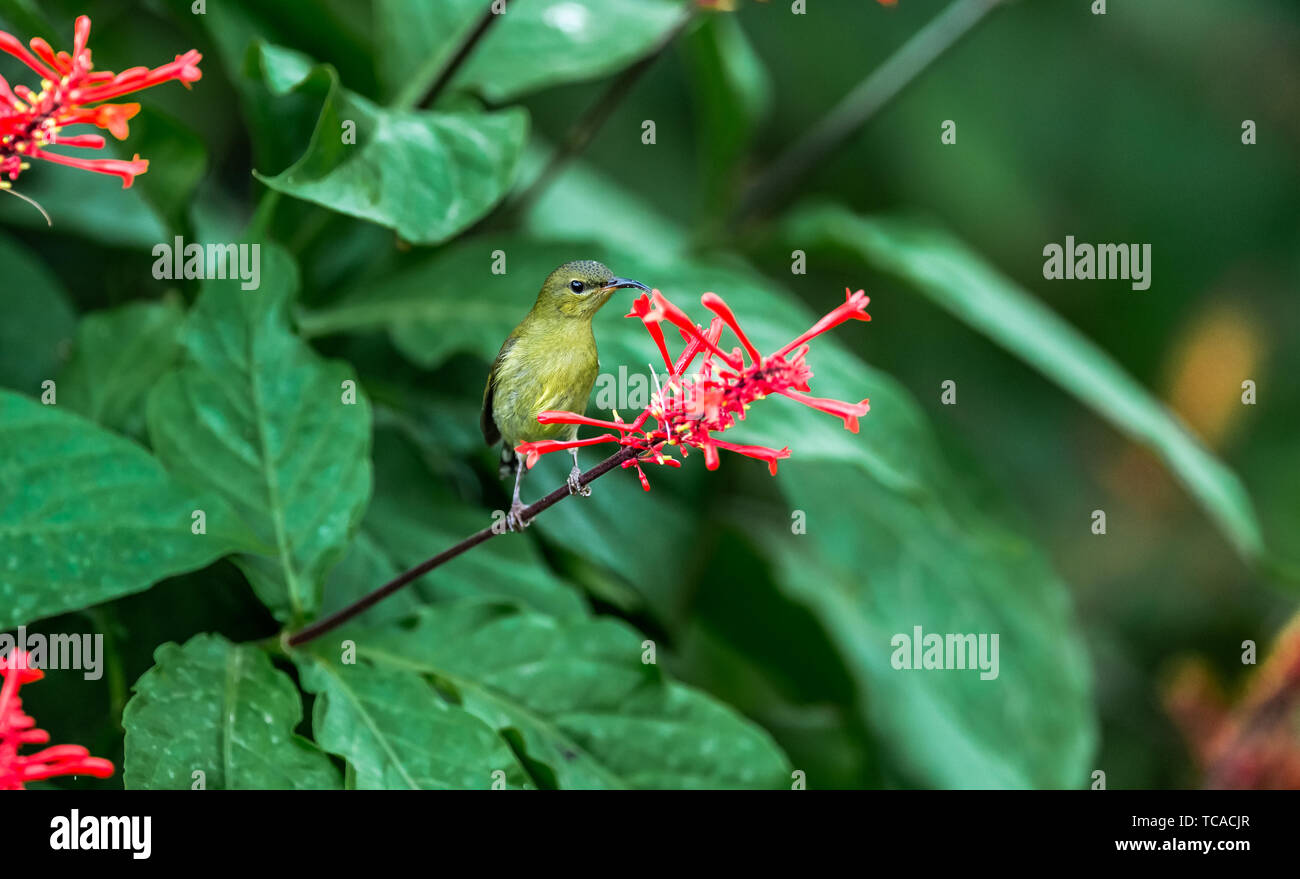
(575, 286)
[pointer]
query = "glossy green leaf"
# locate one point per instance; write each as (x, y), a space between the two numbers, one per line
(396, 732)
(222, 710)
(535, 44)
(960, 281)
(88, 516)
(117, 358)
(426, 320)
(582, 698)
(427, 175)
(257, 417)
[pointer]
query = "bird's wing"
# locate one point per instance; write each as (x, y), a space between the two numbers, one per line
(492, 433)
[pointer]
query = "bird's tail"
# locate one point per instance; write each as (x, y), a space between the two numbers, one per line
(509, 460)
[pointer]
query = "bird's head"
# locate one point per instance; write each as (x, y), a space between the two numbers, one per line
(578, 289)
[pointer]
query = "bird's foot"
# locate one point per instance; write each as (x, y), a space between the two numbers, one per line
(576, 487)
(515, 520)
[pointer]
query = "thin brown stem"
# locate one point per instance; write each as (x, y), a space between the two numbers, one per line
(415, 95)
(581, 133)
(860, 105)
(339, 617)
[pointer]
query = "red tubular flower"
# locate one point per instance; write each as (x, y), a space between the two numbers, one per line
(689, 409)
(18, 729)
(31, 121)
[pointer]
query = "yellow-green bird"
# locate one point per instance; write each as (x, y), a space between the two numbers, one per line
(547, 362)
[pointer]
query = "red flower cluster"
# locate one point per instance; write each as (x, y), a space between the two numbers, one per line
(18, 729)
(31, 121)
(689, 409)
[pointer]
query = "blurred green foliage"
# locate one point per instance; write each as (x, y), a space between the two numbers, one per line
(773, 647)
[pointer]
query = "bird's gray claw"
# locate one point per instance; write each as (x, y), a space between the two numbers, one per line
(575, 487)
(515, 520)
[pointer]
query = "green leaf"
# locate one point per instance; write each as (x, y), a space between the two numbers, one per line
(428, 323)
(396, 732)
(427, 175)
(898, 562)
(559, 227)
(89, 516)
(38, 320)
(258, 418)
(223, 710)
(581, 698)
(118, 356)
(534, 45)
(961, 282)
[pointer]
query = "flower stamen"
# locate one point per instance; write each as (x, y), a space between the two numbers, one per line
(31, 121)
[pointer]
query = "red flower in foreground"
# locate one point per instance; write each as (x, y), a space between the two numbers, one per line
(1253, 744)
(31, 121)
(689, 410)
(18, 729)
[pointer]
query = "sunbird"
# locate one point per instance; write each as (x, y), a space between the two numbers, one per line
(547, 362)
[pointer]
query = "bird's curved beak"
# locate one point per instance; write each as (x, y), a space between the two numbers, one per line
(616, 283)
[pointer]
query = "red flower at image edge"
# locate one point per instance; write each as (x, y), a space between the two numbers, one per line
(18, 729)
(30, 121)
(689, 410)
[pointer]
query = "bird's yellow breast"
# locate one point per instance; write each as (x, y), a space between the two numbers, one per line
(544, 369)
